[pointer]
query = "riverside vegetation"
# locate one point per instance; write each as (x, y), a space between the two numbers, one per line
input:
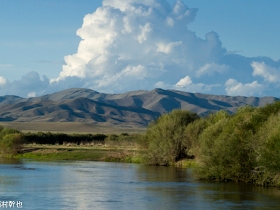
(240, 147)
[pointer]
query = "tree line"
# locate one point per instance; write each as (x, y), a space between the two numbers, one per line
(244, 146)
(12, 140)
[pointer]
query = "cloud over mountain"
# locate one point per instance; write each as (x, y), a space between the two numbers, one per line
(143, 44)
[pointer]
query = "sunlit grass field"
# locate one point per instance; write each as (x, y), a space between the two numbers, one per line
(101, 152)
(115, 152)
(70, 127)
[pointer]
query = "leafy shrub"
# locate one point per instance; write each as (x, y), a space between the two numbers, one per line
(226, 150)
(267, 171)
(194, 130)
(243, 147)
(11, 141)
(124, 139)
(165, 137)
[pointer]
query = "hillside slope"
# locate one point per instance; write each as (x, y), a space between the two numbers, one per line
(136, 108)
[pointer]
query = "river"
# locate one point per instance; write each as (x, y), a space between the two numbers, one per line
(99, 185)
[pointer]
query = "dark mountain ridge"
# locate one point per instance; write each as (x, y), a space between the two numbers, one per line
(135, 108)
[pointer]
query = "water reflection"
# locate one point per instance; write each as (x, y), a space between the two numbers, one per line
(163, 174)
(10, 161)
(7, 180)
(169, 188)
(177, 188)
(240, 195)
(97, 185)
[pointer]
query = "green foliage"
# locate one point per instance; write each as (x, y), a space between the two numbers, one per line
(267, 147)
(63, 154)
(242, 147)
(166, 137)
(225, 148)
(194, 130)
(11, 141)
(124, 139)
(112, 137)
(216, 117)
(5, 131)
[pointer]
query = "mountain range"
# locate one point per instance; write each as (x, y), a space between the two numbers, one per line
(135, 108)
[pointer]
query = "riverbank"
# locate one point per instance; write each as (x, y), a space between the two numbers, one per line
(78, 153)
(124, 154)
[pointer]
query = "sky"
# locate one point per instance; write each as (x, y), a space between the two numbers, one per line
(225, 47)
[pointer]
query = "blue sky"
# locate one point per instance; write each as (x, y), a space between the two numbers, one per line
(218, 47)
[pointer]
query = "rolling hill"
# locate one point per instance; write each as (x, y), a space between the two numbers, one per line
(135, 109)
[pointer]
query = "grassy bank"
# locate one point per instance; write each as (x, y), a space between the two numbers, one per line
(85, 153)
(116, 153)
(49, 146)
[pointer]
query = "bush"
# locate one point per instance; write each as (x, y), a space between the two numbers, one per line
(194, 130)
(11, 143)
(124, 139)
(226, 149)
(267, 170)
(165, 137)
(244, 147)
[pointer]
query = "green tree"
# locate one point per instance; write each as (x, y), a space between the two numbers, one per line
(226, 149)
(267, 147)
(11, 144)
(165, 137)
(195, 129)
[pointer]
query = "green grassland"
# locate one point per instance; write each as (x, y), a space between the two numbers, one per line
(85, 153)
(120, 145)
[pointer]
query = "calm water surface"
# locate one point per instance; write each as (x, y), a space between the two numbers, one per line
(98, 185)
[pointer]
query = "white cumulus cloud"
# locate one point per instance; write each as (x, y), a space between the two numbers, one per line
(186, 84)
(235, 88)
(167, 48)
(269, 73)
(31, 94)
(136, 44)
(210, 69)
(142, 44)
(3, 81)
(186, 81)
(29, 85)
